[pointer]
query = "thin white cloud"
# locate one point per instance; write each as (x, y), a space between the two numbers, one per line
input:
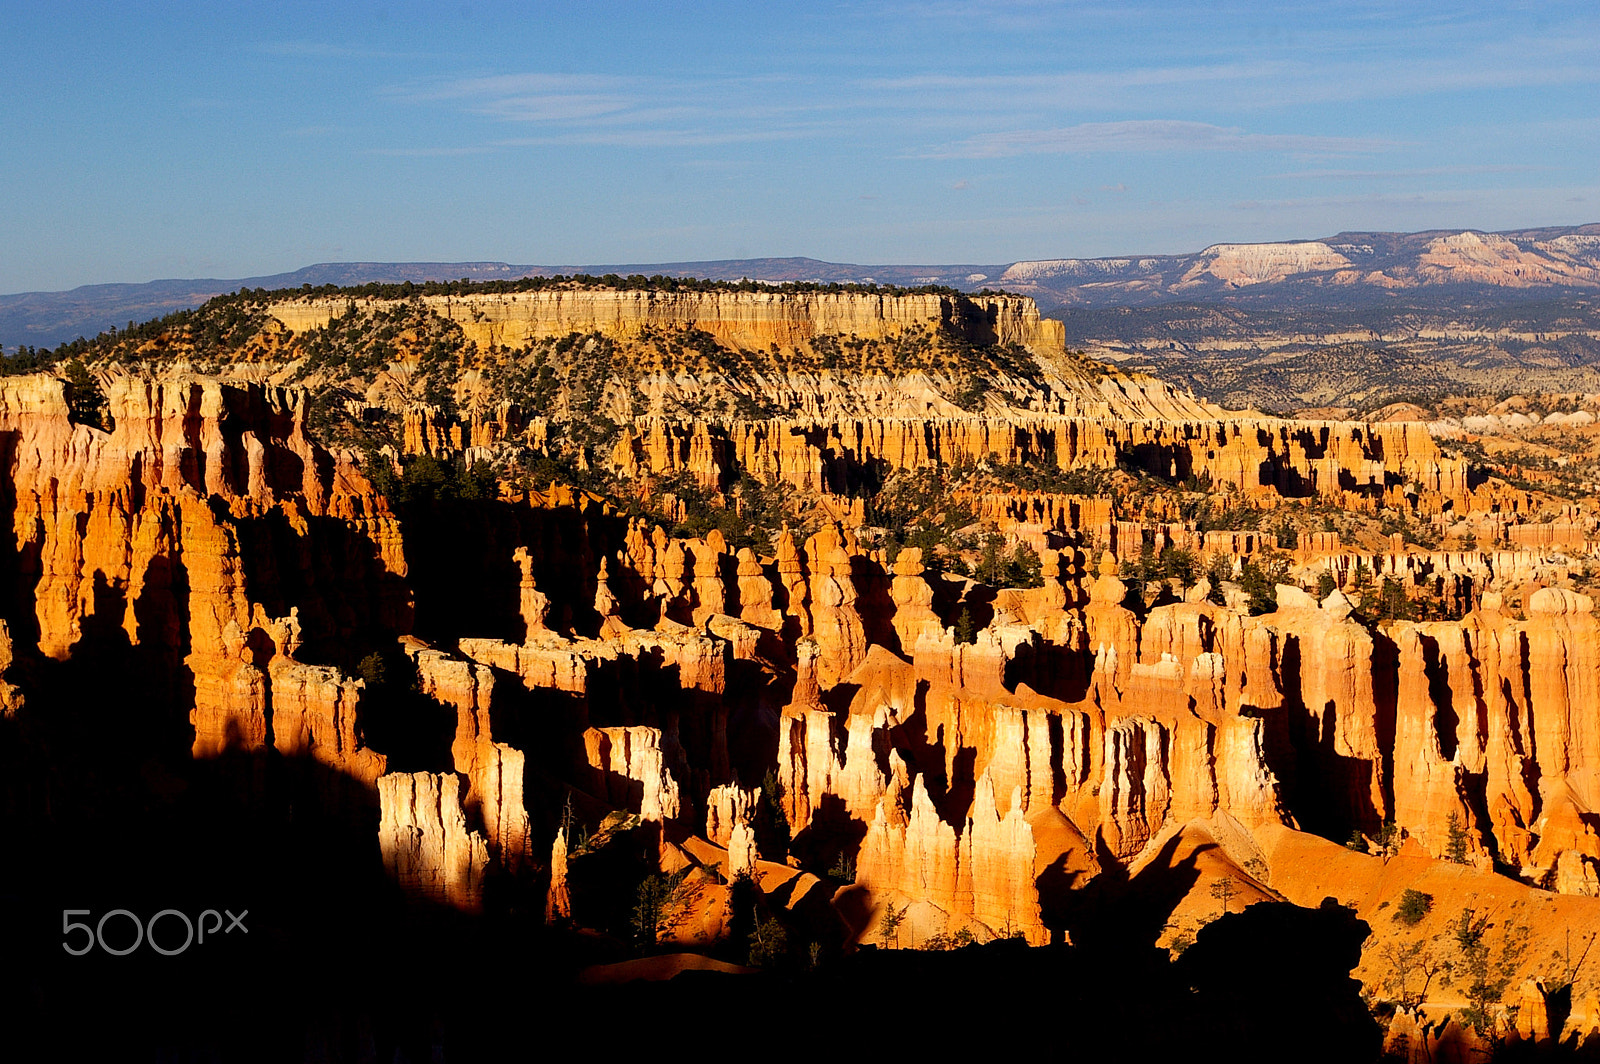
(654, 138)
(535, 98)
(424, 153)
(1146, 136)
(503, 86)
(1255, 84)
(1034, 111)
(601, 101)
(629, 112)
(1531, 201)
(553, 107)
(1436, 199)
(307, 49)
(1425, 171)
(326, 50)
(1077, 83)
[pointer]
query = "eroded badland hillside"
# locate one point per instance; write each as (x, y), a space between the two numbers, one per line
(485, 638)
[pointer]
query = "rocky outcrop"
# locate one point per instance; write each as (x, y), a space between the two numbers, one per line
(1248, 264)
(998, 858)
(737, 319)
(427, 849)
(741, 851)
(1489, 258)
(187, 527)
(1373, 262)
(1262, 458)
(494, 771)
(558, 897)
(631, 770)
(314, 714)
(976, 752)
(981, 879)
(832, 596)
(727, 807)
(1428, 786)
(11, 696)
(914, 618)
(534, 605)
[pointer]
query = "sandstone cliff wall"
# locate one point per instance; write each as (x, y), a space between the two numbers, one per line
(201, 516)
(667, 677)
(1353, 464)
(739, 319)
(426, 845)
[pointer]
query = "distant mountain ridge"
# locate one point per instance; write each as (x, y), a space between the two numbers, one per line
(1348, 269)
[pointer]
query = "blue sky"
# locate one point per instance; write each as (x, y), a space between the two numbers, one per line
(229, 140)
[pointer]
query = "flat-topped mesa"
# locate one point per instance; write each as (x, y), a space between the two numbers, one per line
(684, 354)
(1246, 264)
(740, 319)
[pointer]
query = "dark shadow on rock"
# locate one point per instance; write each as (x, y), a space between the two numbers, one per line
(1276, 973)
(1143, 903)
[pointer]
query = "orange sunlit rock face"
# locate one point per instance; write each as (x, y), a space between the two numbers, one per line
(533, 689)
(184, 528)
(1166, 723)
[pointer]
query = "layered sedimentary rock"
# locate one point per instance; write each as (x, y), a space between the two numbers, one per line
(980, 879)
(1351, 464)
(727, 807)
(11, 696)
(1153, 741)
(314, 714)
(423, 836)
(494, 770)
(630, 766)
(183, 531)
(558, 898)
(836, 622)
(739, 319)
(971, 753)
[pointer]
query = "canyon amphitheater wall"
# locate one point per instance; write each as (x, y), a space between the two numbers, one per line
(970, 757)
(739, 319)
